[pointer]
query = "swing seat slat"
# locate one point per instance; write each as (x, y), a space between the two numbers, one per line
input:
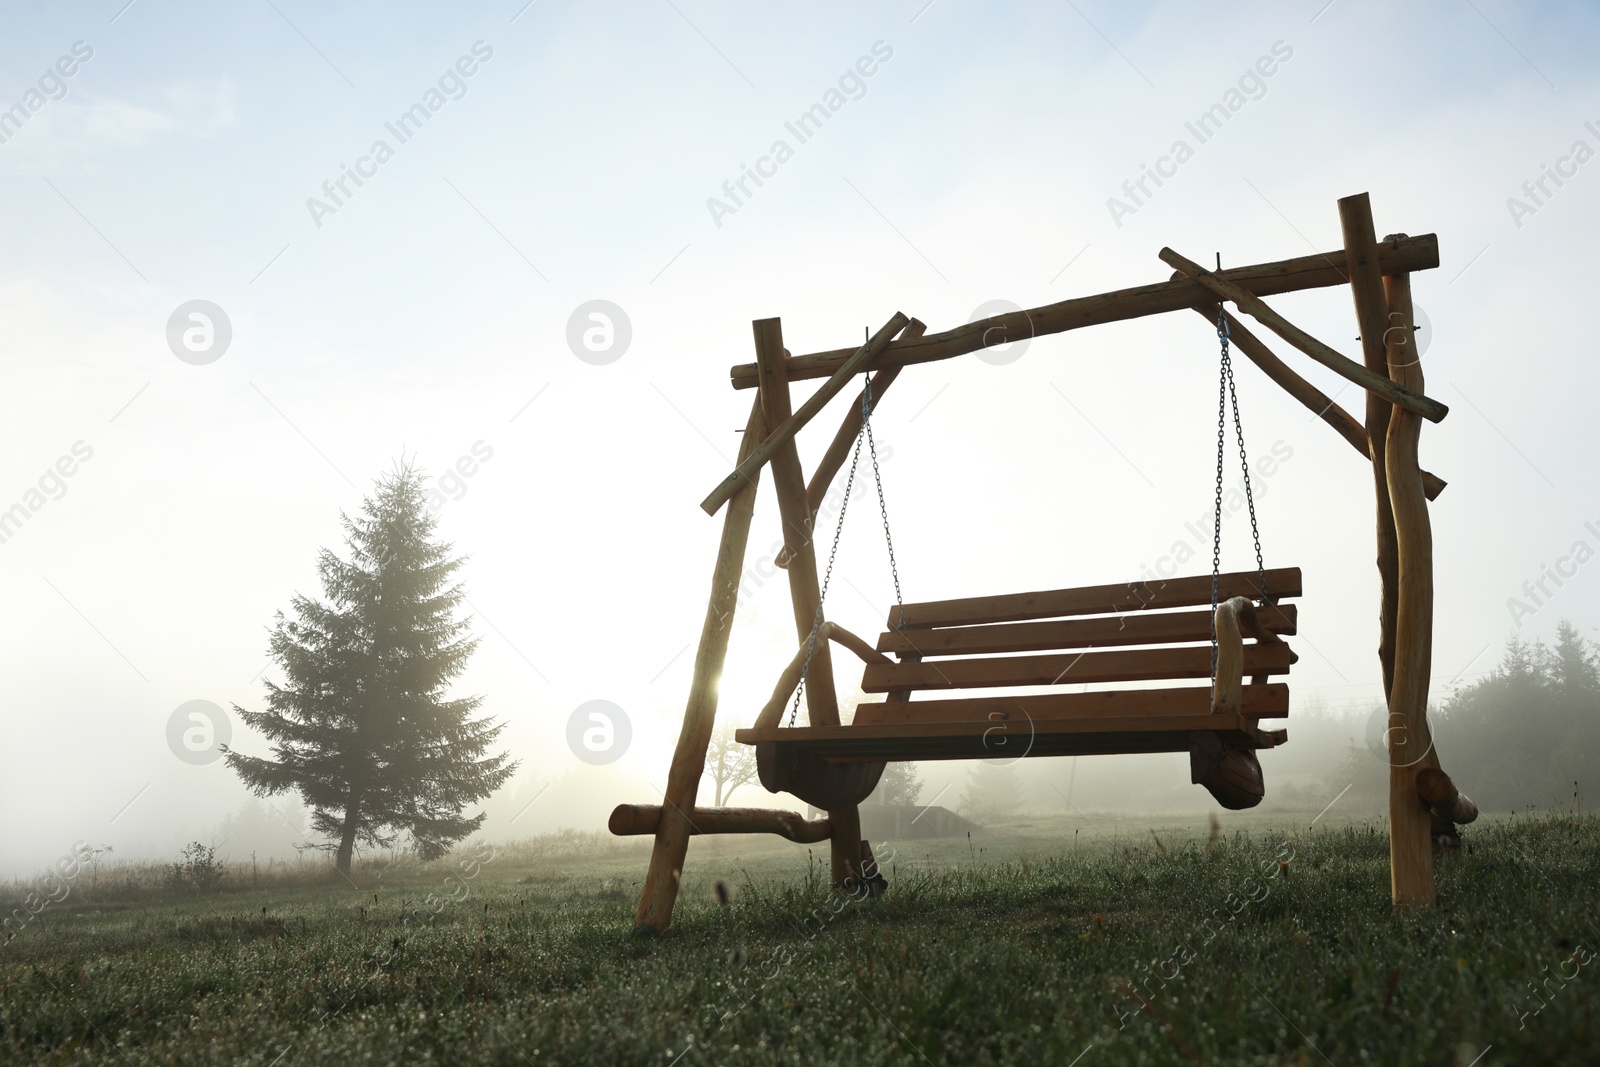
(984, 631)
(1266, 701)
(1080, 736)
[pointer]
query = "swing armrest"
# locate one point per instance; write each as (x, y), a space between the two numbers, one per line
(1227, 686)
(1250, 626)
(772, 713)
(1236, 617)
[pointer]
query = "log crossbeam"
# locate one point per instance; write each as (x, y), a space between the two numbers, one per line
(633, 820)
(783, 434)
(1335, 361)
(1400, 256)
(1314, 399)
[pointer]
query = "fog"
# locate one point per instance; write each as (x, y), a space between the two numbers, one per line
(426, 312)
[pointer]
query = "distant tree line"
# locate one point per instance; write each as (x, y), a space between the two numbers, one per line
(1529, 732)
(1525, 735)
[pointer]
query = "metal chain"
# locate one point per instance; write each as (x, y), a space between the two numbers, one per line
(1216, 513)
(883, 509)
(1228, 396)
(1244, 466)
(833, 552)
(816, 622)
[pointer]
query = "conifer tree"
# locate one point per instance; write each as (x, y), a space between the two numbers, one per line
(361, 726)
(900, 784)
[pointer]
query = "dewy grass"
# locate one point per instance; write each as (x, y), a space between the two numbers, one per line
(1263, 946)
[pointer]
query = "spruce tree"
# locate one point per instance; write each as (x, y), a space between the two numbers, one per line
(900, 784)
(361, 726)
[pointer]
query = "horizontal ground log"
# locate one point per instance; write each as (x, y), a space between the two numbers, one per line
(635, 820)
(1264, 279)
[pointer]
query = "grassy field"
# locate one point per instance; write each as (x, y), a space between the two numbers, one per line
(1039, 941)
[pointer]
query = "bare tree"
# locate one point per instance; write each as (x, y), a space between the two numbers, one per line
(729, 764)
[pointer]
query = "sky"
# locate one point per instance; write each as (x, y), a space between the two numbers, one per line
(176, 489)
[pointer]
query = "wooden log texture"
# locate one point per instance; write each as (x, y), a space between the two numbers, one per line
(1410, 841)
(789, 483)
(784, 434)
(699, 716)
(632, 820)
(1372, 319)
(1314, 399)
(844, 440)
(1263, 279)
(1227, 685)
(1334, 360)
(822, 702)
(1442, 797)
(1230, 772)
(772, 713)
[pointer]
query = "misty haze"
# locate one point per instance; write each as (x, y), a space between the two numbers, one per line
(666, 533)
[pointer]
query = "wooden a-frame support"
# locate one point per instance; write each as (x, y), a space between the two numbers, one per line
(1389, 374)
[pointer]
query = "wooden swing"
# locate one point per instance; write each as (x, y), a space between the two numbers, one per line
(1143, 639)
(838, 766)
(952, 646)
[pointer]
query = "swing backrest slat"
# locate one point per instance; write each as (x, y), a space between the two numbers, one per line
(1067, 668)
(1147, 628)
(1092, 600)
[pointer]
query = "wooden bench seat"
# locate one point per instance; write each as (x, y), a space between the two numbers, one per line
(1046, 642)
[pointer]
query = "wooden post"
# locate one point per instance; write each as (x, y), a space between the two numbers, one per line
(1372, 318)
(822, 702)
(845, 438)
(1410, 742)
(699, 716)
(793, 422)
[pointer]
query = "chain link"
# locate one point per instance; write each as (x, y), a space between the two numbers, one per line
(1228, 396)
(883, 509)
(833, 552)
